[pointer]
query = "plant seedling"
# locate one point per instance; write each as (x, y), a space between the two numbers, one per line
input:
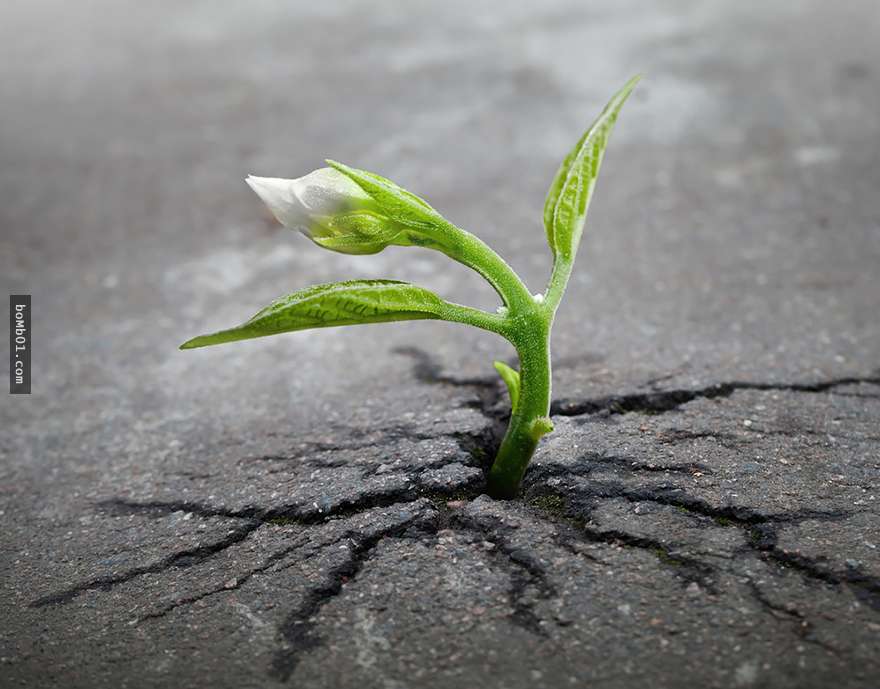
(357, 212)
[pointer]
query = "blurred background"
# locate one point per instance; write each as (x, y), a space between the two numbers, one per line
(735, 231)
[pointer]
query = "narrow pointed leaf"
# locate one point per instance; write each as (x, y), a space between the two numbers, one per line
(568, 199)
(511, 378)
(338, 303)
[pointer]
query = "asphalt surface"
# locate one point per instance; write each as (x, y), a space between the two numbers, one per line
(307, 510)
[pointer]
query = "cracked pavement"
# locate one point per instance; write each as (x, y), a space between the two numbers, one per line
(307, 510)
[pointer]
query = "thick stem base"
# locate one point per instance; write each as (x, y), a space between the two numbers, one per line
(529, 420)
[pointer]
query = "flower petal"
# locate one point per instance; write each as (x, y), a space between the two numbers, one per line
(278, 195)
(328, 192)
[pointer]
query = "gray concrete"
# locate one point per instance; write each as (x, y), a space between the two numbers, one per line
(306, 510)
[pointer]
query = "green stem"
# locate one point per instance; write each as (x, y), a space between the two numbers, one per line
(529, 420)
(458, 313)
(527, 326)
(468, 249)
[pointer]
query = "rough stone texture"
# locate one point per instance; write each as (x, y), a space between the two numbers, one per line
(306, 510)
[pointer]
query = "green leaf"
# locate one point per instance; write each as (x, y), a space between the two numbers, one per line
(565, 209)
(395, 202)
(338, 303)
(511, 377)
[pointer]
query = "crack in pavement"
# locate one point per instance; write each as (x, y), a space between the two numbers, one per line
(864, 587)
(570, 528)
(530, 581)
(662, 401)
(303, 453)
(827, 436)
(594, 459)
(469, 443)
(673, 436)
(253, 518)
(426, 369)
(490, 391)
(758, 527)
(298, 631)
(297, 513)
(666, 495)
(481, 445)
(748, 436)
(801, 627)
(238, 582)
(525, 571)
(180, 560)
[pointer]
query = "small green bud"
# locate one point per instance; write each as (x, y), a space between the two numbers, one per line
(330, 209)
(541, 427)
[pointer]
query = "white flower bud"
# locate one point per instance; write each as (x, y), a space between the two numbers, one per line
(322, 193)
(329, 208)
